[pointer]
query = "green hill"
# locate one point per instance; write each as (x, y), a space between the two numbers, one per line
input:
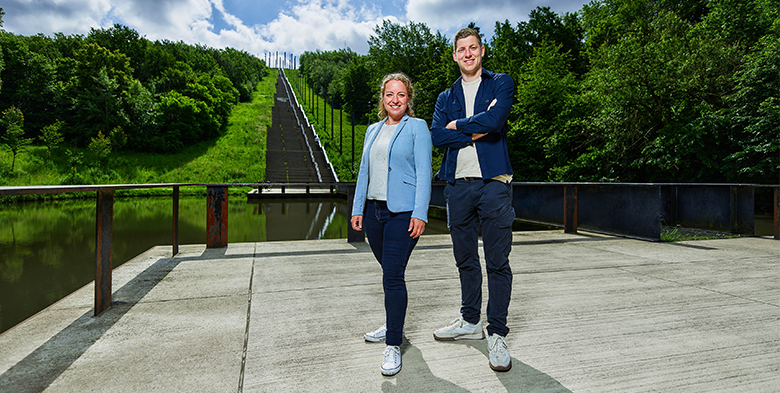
(238, 156)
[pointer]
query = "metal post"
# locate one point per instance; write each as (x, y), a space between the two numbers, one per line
(325, 114)
(777, 213)
(341, 125)
(733, 213)
(353, 141)
(216, 216)
(105, 223)
(331, 117)
(175, 221)
(570, 209)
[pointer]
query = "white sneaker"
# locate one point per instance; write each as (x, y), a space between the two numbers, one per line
(377, 335)
(391, 365)
(459, 329)
(498, 353)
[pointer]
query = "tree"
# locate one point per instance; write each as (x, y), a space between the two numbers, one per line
(100, 146)
(647, 86)
(51, 137)
(323, 70)
(121, 39)
(754, 112)
(414, 50)
(2, 64)
(546, 106)
(14, 139)
(508, 50)
(100, 105)
(177, 117)
(28, 81)
(96, 93)
(740, 22)
(141, 115)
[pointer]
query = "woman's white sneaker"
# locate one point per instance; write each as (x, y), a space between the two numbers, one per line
(377, 335)
(391, 364)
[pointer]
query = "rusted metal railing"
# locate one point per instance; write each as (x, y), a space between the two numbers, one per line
(632, 210)
(104, 226)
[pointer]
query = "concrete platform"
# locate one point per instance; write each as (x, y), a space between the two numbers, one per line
(588, 314)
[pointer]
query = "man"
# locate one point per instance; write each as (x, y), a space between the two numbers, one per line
(470, 122)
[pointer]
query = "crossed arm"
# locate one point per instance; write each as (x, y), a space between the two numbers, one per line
(459, 133)
(454, 126)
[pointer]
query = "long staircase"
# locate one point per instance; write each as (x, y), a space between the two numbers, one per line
(293, 153)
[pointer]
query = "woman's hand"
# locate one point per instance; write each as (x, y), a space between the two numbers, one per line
(357, 223)
(416, 228)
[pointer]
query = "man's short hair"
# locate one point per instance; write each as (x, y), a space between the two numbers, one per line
(463, 33)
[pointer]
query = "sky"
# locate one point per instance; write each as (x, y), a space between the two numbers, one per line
(265, 26)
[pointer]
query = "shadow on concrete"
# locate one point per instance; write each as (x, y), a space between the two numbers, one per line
(362, 247)
(43, 366)
(521, 377)
(414, 371)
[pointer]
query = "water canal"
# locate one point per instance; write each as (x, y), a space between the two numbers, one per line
(47, 249)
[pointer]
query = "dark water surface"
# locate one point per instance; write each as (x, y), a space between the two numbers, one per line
(47, 249)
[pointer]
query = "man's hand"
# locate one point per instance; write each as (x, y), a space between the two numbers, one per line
(474, 137)
(452, 125)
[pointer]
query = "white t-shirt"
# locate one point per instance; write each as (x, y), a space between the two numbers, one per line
(468, 162)
(377, 163)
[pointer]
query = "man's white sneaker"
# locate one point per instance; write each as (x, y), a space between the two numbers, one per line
(498, 353)
(391, 365)
(459, 329)
(377, 335)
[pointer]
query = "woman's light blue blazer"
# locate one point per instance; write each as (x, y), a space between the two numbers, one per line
(409, 172)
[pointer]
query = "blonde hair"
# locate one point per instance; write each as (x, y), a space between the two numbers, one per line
(403, 78)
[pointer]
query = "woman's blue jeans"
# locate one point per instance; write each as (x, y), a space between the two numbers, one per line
(388, 235)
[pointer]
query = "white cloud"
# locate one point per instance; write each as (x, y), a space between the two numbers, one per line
(301, 25)
(173, 20)
(450, 15)
(323, 25)
(67, 16)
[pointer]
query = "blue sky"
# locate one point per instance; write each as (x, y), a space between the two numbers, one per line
(261, 26)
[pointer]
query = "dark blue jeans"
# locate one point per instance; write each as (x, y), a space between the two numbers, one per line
(485, 204)
(388, 235)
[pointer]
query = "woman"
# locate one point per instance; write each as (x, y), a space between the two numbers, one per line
(391, 201)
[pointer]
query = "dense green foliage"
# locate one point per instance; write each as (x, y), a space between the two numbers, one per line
(623, 90)
(237, 156)
(162, 95)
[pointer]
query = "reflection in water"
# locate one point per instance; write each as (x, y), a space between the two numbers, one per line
(285, 220)
(47, 249)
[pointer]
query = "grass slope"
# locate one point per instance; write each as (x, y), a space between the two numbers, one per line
(238, 156)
